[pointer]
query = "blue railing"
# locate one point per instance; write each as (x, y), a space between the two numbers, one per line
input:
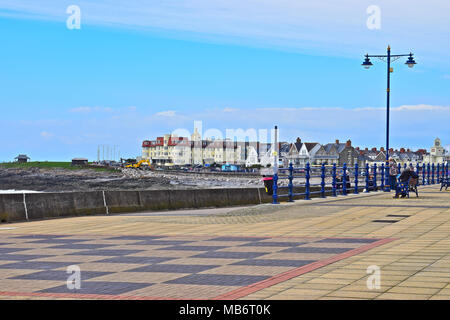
(334, 180)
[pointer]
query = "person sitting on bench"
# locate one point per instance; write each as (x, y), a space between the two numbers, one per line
(340, 180)
(402, 181)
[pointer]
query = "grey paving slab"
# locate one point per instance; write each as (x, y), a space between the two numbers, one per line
(229, 255)
(59, 275)
(316, 250)
(105, 252)
(22, 257)
(218, 279)
(80, 246)
(273, 244)
(36, 265)
(99, 287)
(193, 248)
(174, 268)
(39, 236)
(345, 240)
(274, 263)
(137, 238)
(239, 238)
(8, 250)
(157, 242)
(60, 241)
(136, 260)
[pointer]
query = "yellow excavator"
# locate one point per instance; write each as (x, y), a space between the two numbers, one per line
(140, 165)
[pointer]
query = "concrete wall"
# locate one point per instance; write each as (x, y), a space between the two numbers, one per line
(11, 207)
(65, 204)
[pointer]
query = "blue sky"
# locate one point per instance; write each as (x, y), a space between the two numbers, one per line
(134, 71)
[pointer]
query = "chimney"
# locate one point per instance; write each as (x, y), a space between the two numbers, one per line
(391, 150)
(349, 143)
(402, 150)
(357, 148)
(337, 141)
(298, 140)
(361, 152)
(366, 149)
(381, 149)
(374, 149)
(409, 150)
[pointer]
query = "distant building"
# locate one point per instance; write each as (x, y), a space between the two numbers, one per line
(437, 153)
(402, 156)
(301, 153)
(22, 158)
(343, 152)
(79, 161)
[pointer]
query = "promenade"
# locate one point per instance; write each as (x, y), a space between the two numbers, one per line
(316, 249)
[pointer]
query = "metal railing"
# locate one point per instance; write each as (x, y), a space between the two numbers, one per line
(333, 180)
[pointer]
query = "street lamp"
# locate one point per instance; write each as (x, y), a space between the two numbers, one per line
(387, 58)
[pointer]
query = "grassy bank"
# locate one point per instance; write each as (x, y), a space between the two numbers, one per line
(50, 165)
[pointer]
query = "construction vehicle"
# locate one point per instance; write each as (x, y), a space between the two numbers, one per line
(142, 164)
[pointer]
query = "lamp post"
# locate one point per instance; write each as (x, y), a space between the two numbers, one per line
(388, 58)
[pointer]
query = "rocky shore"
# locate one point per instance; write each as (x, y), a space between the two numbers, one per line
(58, 179)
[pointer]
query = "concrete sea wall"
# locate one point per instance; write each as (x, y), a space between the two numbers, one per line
(35, 206)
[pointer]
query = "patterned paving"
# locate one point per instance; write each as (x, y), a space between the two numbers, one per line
(416, 265)
(171, 267)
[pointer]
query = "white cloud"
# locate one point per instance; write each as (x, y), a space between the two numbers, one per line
(168, 113)
(46, 134)
(314, 26)
(230, 109)
(81, 109)
(421, 107)
(91, 109)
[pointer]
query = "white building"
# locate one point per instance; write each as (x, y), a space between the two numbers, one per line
(437, 153)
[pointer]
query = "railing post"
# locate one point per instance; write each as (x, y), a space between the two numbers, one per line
(375, 187)
(344, 179)
(438, 173)
(418, 171)
(446, 171)
(367, 177)
(307, 191)
(322, 183)
(399, 168)
(275, 189)
(356, 178)
(443, 170)
(423, 173)
(428, 173)
(291, 185)
(404, 166)
(387, 182)
(432, 173)
(333, 183)
(382, 176)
